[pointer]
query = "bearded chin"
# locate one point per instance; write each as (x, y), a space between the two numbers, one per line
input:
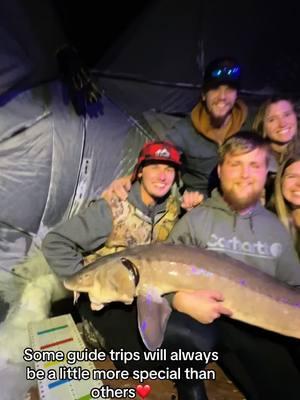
(217, 122)
(241, 204)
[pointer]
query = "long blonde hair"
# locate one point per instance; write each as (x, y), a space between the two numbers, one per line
(282, 207)
(258, 124)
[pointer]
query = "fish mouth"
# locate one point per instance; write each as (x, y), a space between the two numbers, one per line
(96, 306)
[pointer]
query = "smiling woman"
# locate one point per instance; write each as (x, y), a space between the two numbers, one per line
(280, 122)
(287, 197)
(277, 121)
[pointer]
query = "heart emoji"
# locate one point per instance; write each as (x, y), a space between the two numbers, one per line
(143, 391)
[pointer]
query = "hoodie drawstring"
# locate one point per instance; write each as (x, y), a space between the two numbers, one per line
(234, 222)
(250, 223)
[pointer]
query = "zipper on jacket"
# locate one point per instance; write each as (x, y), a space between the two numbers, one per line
(152, 217)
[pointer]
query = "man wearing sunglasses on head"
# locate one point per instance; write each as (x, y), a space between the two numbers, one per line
(219, 115)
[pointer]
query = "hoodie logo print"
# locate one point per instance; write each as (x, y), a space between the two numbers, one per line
(234, 245)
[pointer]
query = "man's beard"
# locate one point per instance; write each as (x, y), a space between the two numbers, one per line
(240, 204)
(217, 122)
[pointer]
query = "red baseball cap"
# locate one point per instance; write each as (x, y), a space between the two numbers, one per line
(157, 151)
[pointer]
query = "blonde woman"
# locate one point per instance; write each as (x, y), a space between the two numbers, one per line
(277, 121)
(287, 197)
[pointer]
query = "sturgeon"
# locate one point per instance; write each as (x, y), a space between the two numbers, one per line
(149, 271)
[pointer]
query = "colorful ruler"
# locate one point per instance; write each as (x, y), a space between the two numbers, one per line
(61, 333)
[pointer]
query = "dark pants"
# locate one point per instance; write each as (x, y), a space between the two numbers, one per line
(117, 324)
(262, 364)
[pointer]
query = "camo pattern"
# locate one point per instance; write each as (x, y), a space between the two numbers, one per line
(131, 227)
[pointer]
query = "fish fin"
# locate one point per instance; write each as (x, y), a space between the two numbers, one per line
(153, 315)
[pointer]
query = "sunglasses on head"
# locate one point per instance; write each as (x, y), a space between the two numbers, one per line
(226, 72)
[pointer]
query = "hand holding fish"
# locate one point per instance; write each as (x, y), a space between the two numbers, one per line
(203, 305)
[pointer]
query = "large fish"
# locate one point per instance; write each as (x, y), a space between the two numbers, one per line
(149, 271)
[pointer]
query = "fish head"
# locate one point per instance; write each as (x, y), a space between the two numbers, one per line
(81, 282)
(105, 282)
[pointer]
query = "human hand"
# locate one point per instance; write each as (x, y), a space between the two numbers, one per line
(203, 305)
(191, 200)
(118, 188)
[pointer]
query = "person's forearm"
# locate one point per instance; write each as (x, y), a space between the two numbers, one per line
(65, 246)
(62, 255)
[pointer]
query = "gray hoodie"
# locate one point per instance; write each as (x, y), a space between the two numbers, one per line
(65, 246)
(258, 239)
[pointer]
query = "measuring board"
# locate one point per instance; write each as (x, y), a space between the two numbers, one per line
(61, 333)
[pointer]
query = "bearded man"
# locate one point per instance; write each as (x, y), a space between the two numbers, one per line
(219, 115)
(264, 365)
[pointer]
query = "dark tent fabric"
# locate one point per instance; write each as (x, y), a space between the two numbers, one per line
(158, 62)
(30, 34)
(173, 40)
(159, 41)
